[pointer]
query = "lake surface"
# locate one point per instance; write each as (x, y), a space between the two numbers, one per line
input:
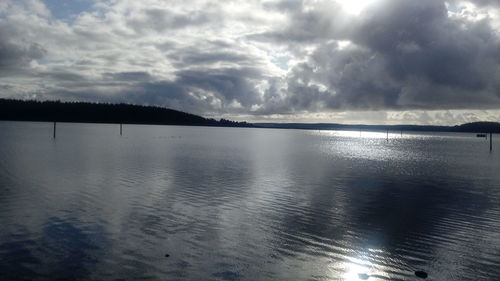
(245, 204)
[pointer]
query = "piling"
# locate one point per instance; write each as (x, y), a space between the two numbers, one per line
(54, 130)
(120, 129)
(491, 141)
(387, 135)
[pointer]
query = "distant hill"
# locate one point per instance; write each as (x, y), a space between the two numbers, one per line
(84, 112)
(476, 127)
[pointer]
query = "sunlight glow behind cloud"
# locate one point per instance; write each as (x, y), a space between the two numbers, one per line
(349, 61)
(355, 6)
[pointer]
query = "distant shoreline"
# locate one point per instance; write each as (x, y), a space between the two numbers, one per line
(99, 113)
(476, 127)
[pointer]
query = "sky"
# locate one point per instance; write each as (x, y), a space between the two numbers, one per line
(338, 61)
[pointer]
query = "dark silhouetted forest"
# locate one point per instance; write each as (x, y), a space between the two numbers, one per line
(85, 112)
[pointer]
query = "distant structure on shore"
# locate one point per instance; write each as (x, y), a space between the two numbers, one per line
(85, 112)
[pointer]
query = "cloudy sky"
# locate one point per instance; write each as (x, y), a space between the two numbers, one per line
(345, 61)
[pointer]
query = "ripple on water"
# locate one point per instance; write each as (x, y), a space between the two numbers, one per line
(234, 204)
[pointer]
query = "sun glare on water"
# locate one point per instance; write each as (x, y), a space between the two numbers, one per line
(356, 271)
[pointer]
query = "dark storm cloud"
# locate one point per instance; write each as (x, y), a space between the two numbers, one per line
(198, 90)
(195, 90)
(229, 84)
(137, 76)
(416, 38)
(207, 53)
(162, 92)
(16, 56)
(63, 75)
(406, 54)
(326, 21)
(170, 94)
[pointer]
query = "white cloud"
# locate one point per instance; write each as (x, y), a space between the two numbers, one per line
(257, 58)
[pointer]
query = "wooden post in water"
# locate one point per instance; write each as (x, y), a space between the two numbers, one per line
(491, 141)
(387, 135)
(54, 131)
(120, 129)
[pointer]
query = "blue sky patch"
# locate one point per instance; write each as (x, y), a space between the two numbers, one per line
(66, 10)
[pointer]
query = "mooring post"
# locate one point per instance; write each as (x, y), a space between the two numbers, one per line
(387, 135)
(120, 129)
(54, 131)
(491, 141)
(401, 132)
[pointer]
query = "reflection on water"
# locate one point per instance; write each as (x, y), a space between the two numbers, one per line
(245, 204)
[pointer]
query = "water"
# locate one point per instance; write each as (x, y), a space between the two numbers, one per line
(245, 204)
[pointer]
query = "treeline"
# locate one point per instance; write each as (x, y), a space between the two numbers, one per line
(475, 127)
(86, 112)
(478, 127)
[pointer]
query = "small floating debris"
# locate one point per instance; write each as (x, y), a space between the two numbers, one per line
(363, 276)
(481, 135)
(167, 255)
(421, 274)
